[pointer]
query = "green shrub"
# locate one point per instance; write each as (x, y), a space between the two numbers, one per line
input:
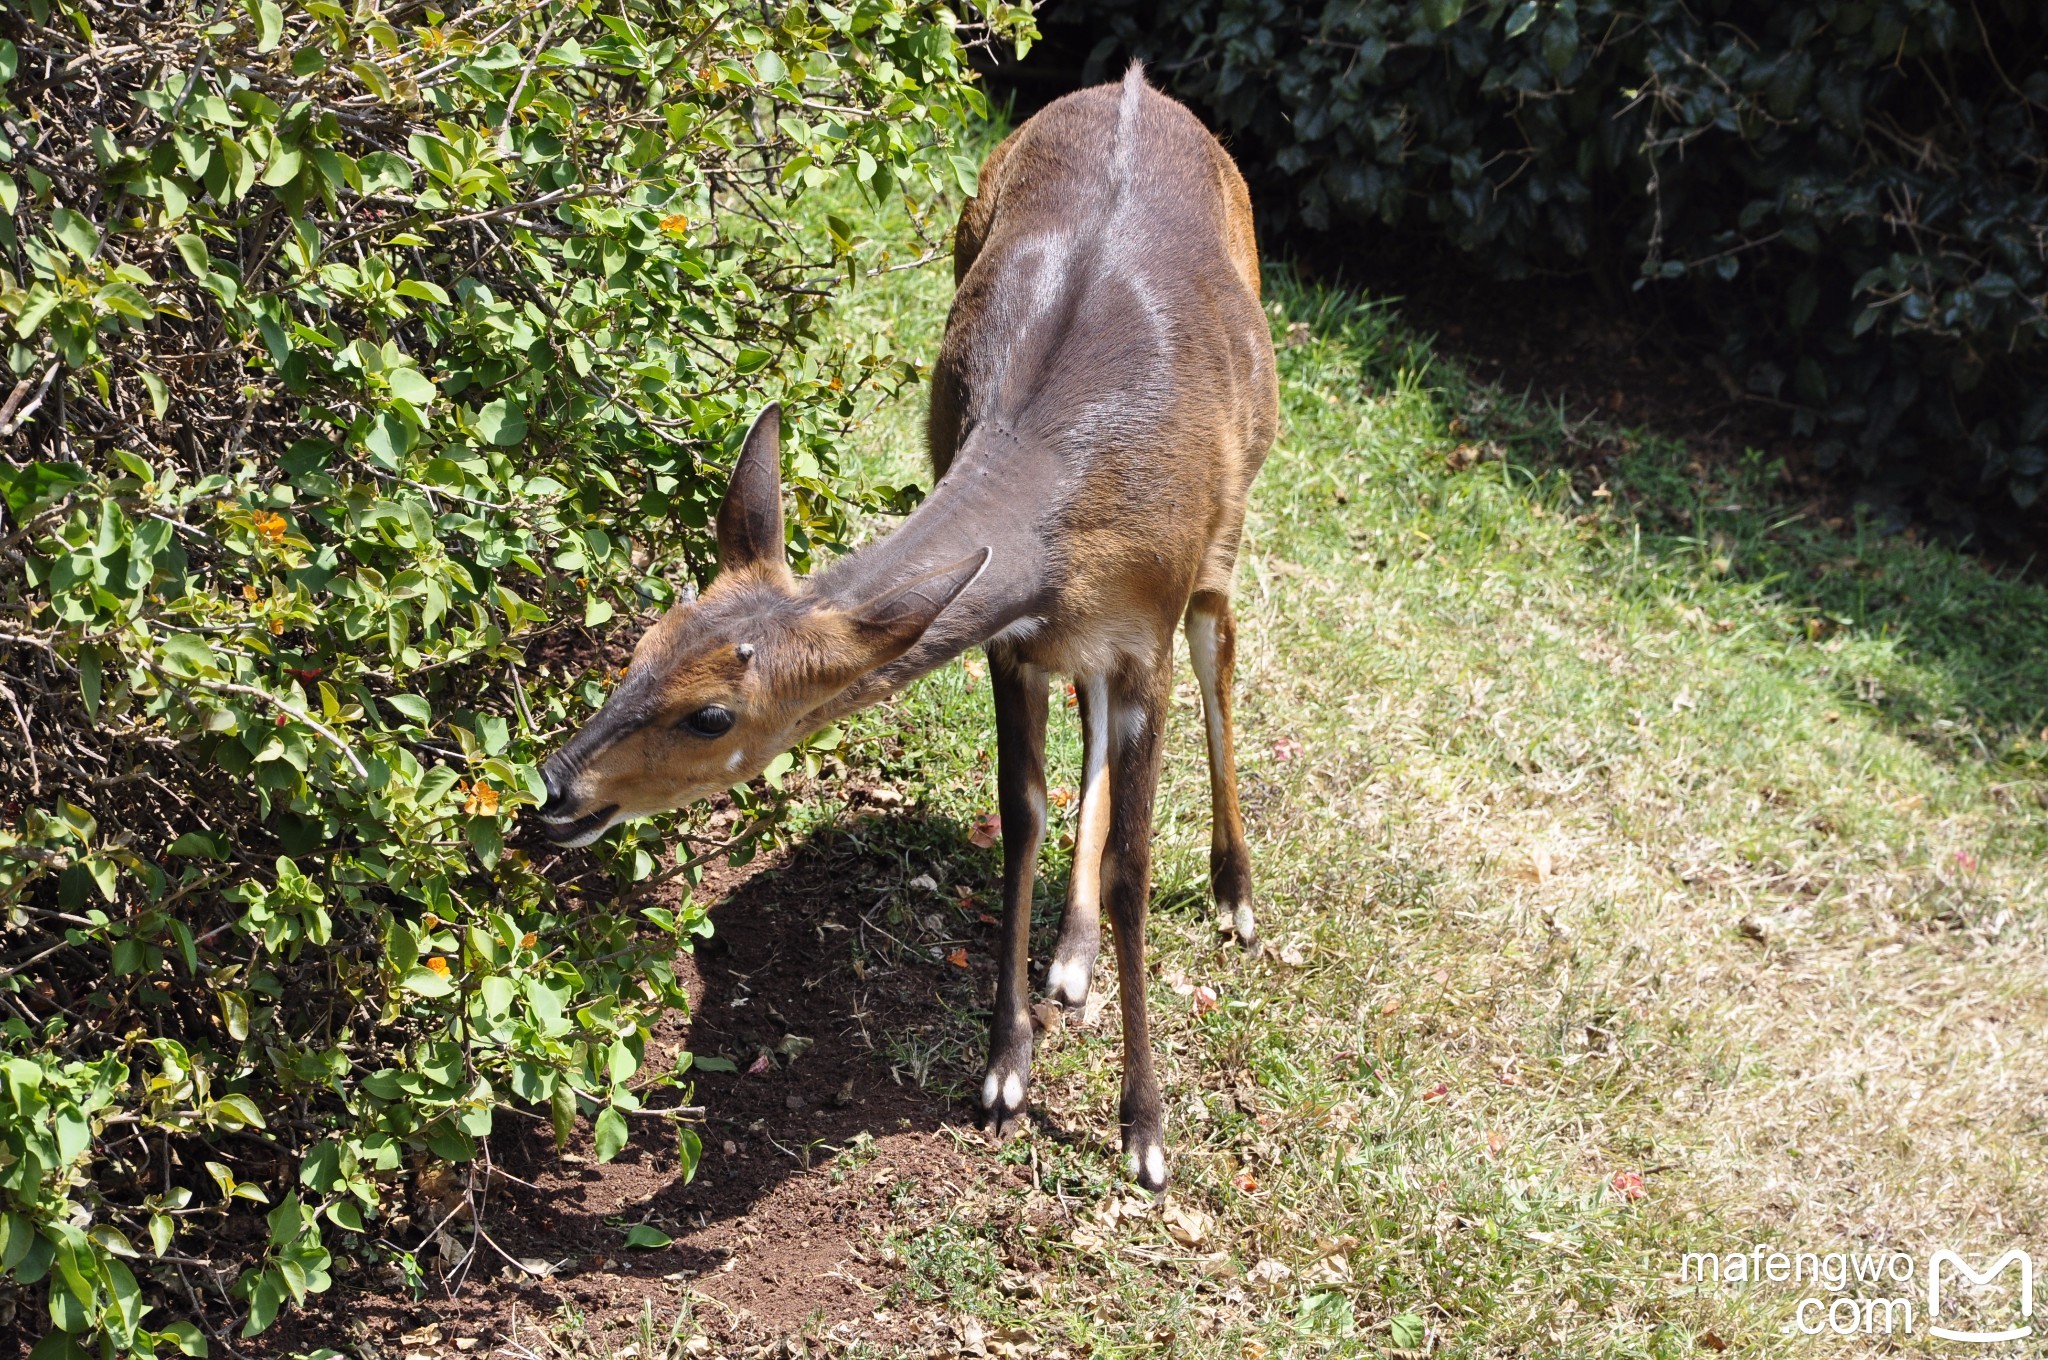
(1847, 193)
(358, 360)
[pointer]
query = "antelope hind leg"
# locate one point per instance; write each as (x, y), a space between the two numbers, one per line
(1073, 959)
(1212, 646)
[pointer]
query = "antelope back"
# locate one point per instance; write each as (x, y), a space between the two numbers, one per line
(1107, 326)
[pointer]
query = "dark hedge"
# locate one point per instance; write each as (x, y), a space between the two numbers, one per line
(1848, 194)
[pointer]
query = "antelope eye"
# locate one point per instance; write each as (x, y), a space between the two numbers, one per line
(710, 721)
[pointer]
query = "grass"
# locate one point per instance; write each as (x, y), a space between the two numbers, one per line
(1649, 865)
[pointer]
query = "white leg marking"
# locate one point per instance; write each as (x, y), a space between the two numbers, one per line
(988, 1091)
(1131, 1165)
(1063, 979)
(1013, 1092)
(1155, 1165)
(1202, 652)
(1093, 833)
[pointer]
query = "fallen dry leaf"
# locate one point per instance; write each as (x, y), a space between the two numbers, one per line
(1331, 1270)
(958, 958)
(1206, 1000)
(1496, 1143)
(1246, 1182)
(1060, 797)
(1269, 1275)
(1629, 1185)
(987, 830)
(1287, 748)
(1011, 1343)
(1293, 954)
(760, 1065)
(1436, 1092)
(1186, 1225)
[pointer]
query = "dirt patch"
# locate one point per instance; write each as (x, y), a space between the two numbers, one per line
(822, 958)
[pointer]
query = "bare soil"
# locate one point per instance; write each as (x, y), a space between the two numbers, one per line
(774, 1238)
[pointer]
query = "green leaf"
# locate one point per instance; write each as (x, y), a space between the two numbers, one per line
(269, 25)
(689, 1152)
(409, 384)
(1407, 1332)
(159, 394)
(646, 1237)
(75, 232)
(284, 166)
(197, 845)
(426, 982)
(192, 251)
(1524, 15)
(58, 1346)
(413, 707)
(611, 1133)
(1560, 44)
(421, 289)
(502, 422)
(236, 1112)
(188, 656)
(185, 1336)
(125, 298)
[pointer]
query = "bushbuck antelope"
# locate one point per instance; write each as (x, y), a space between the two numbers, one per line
(1104, 395)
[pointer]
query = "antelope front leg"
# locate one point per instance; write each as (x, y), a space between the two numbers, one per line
(1212, 646)
(1073, 958)
(1138, 698)
(1020, 798)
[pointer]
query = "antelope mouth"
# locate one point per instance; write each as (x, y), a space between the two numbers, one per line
(578, 831)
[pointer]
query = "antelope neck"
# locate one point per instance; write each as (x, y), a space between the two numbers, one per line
(999, 493)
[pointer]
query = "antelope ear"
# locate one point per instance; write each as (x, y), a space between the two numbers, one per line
(750, 519)
(891, 623)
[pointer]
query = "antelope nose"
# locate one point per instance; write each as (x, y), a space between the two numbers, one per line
(554, 788)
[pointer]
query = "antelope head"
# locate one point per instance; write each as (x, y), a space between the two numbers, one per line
(721, 685)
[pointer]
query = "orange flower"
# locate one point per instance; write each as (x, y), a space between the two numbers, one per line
(271, 527)
(675, 222)
(958, 958)
(277, 627)
(483, 801)
(528, 940)
(438, 964)
(251, 594)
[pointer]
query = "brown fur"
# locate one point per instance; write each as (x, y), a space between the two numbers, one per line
(1103, 398)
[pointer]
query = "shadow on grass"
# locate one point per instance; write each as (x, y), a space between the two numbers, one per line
(1952, 647)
